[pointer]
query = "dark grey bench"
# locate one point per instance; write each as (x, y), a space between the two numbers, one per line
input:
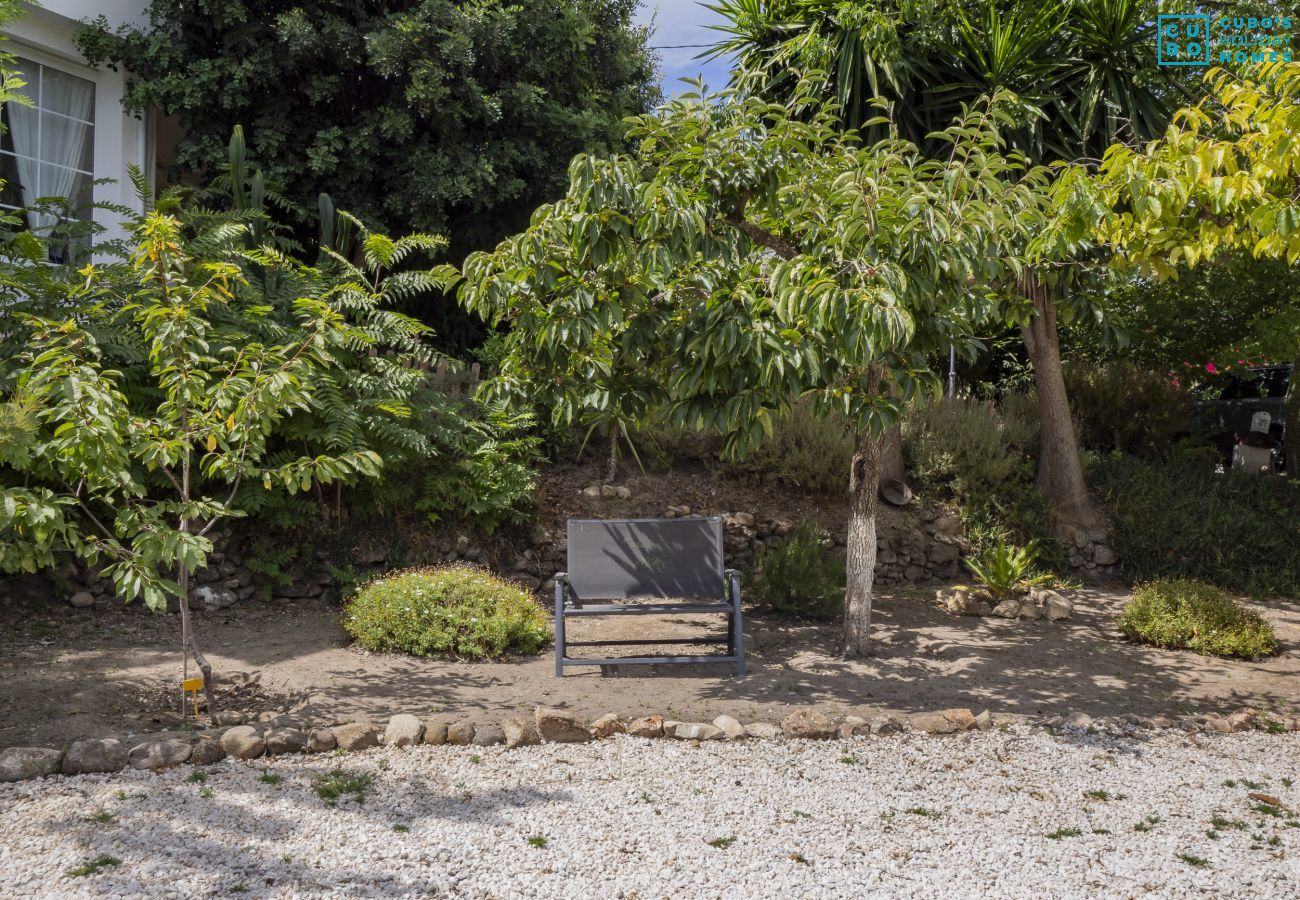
(662, 559)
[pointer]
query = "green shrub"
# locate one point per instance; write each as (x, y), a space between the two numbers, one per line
(804, 451)
(1194, 616)
(453, 611)
(800, 577)
(1177, 519)
(1005, 569)
(1125, 408)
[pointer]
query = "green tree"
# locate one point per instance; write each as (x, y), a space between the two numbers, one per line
(454, 117)
(760, 255)
(1084, 77)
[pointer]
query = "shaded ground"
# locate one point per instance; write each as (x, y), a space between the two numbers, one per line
(67, 673)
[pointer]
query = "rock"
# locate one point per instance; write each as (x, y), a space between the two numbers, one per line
(461, 734)
(488, 736)
(1007, 609)
(730, 728)
(592, 491)
(608, 491)
(356, 736)
(285, 740)
(101, 755)
(606, 726)
(557, 726)
(519, 732)
(404, 730)
(1217, 724)
(227, 717)
(462, 543)
(435, 731)
(1029, 610)
(1056, 607)
(984, 721)
(743, 519)
(21, 763)
(763, 730)
(1243, 719)
(1103, 555)
(647, 727)
(623, 492)
(1267, 799)
(1078, 719)
(159, 754)
(212, 596)
(942, 554)
(882, 725)
(945, 721)
(321, 740)
(206, 751)
(949, 525)
(82, 599)
(692, 731)
(243, 742)
(803, 723)
(964, 719)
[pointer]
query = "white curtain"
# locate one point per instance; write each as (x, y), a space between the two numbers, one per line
(59, 142)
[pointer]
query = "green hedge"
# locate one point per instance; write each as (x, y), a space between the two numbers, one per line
(454, 611)
(1193, 616)
(1180, 520)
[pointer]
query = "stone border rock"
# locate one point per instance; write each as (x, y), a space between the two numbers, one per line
(285, 735)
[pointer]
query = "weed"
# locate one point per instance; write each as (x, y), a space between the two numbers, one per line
(1101, 831)
(922, 811)
(1099, 795)
(537, 841)
(270, 778)
(645, 798)
(799, 858)
(1287, 782)
(1269, 810)
(121, 795)
(332, 787)
(1253, 785)
(339, 751)
(1064, 833)
(1272, 725)
(103, 817)
(722, 843)
(205, 793)
(197, 777)
(475, 758)
(1212, 834)
(1199, 862)
(1223, 824)
(1229, 783)
(102, 861)
(803, 815)
(401, 829)
(1274, 841)
(239, 888)
(849, 760)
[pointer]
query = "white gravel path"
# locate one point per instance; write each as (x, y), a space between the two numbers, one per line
(904, 816)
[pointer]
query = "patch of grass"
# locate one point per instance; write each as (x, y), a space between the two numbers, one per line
(239, 888)
(444, 612)
(1274, 841)
(924, 812)
(1147, 824)
(1212, 834)
(475, 758)
(645, 798)
(1287, 782)
(1064, 833)
(1223, 824)
(1271, 725)
(401, 829)
(849, 760)
(799, 813)
(537, 841)
(339, 751)
(337, 784)
(1253, 785)
(1269, 809)
(1199, 862)
(103, 861)
(1102, 795)
(1229, 783)
(722, 843)
(1101, 831)
(197, 777)
(1189, 615)
(121, 795)
(205, 793)
(270, 778)
(103, 817)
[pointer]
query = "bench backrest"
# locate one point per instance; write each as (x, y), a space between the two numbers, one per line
(621, 558)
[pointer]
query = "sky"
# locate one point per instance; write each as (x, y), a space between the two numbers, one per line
(683, 22)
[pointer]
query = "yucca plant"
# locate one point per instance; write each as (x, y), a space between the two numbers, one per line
(1004, 569)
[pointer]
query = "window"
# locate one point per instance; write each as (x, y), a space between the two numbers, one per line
(47, 151)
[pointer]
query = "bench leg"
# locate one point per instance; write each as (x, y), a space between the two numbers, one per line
(737, 635)
(559, 630)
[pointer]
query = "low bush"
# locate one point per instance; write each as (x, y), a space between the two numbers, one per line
(1127, 409)
(1178, 519)
(453, 611)
(799, 577)
(1004, 569)
(1193, 616)
(804, 451)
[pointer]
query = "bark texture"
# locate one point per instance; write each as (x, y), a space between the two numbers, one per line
(864, 483)
(1060, 471)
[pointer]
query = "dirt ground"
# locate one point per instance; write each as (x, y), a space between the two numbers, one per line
(67, 673)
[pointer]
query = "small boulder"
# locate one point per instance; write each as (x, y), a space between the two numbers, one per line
(607, 725)
(765, 731)
(730, 728)
(1217, 724)
(608, 491)
(435, 732)
(647, 727)
(591, 491)
(228, 717)
(946, 721)
(623, 492)
(1078, 719)
(1103, 555)
(1056, 607)
(159, 754)
(21, 763)
(984, 721)
(206, 751)
(488, 736)
(404, 730)
(82, 599)
(519, 732)
(101, 755)
(557, 726)
(882, 725)
(356, 736)
(1007, 609)
(243, 742)
(1243, 719)
(321, 740)
(461, 734)
(285, 740)
(692, 731)
(1029, 610)
(804, 723)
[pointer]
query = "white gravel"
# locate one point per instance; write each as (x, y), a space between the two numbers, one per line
(905, 816)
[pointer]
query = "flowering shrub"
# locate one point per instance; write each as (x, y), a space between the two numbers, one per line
(454, 611)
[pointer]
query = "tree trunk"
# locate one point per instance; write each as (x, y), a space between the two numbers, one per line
(860, 564)
(611, 467)
(188, 645)
(892, 466)
(1060, 470)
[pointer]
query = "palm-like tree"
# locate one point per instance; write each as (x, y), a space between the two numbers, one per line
(1083, 69)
